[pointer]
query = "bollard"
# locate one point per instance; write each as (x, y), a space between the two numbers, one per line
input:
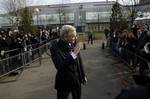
(103, 45)
(84, 46)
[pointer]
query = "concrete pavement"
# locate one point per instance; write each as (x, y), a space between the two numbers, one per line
(104, 79)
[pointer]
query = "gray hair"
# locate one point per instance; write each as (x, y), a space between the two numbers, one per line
(65, 30)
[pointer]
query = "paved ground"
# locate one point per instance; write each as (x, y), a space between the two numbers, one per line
(104, 78)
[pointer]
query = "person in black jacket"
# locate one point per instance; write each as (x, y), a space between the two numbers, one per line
(142, 40)
(67, 60)
(90, 37)
(140, 91)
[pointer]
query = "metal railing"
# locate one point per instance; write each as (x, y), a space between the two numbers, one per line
(9, 64)
(136, 62)
(133, 59)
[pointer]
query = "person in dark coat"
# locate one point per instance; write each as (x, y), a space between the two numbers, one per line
(142, 40)
(140, 91)
(66, 58)
(90, 37)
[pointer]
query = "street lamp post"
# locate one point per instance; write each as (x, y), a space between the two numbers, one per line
(37, 10)
(62, 17)
(45, 21)
(37, 15)
(17, 22)
(98, 17)
(81, 23)
(81, 17)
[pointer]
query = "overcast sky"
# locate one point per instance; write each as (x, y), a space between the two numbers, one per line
(44, 2)
(48, 2)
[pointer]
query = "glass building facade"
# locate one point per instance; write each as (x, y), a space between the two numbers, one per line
(93, 16)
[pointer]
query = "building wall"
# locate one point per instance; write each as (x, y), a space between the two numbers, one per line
(89, 16)
(4, 22)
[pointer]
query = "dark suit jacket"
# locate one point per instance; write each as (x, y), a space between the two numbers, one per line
(143, 39)
(70, 72)
(139, 92)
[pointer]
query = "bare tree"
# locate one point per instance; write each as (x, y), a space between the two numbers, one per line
(26, 21)
(117, 20)
(12, 9)
(62, 14)
(131, 9)
(59, 15)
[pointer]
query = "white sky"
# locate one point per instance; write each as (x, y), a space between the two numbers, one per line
(48, 2)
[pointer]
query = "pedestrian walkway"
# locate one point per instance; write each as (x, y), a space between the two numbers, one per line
(104, 78)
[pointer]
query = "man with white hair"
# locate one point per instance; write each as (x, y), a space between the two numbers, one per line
(67, 60)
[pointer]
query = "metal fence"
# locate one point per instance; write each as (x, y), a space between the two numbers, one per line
(137, 61)
(13, 60)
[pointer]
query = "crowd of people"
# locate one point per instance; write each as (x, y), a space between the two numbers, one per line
(133, 47)
(13, 43)
(10, 41)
